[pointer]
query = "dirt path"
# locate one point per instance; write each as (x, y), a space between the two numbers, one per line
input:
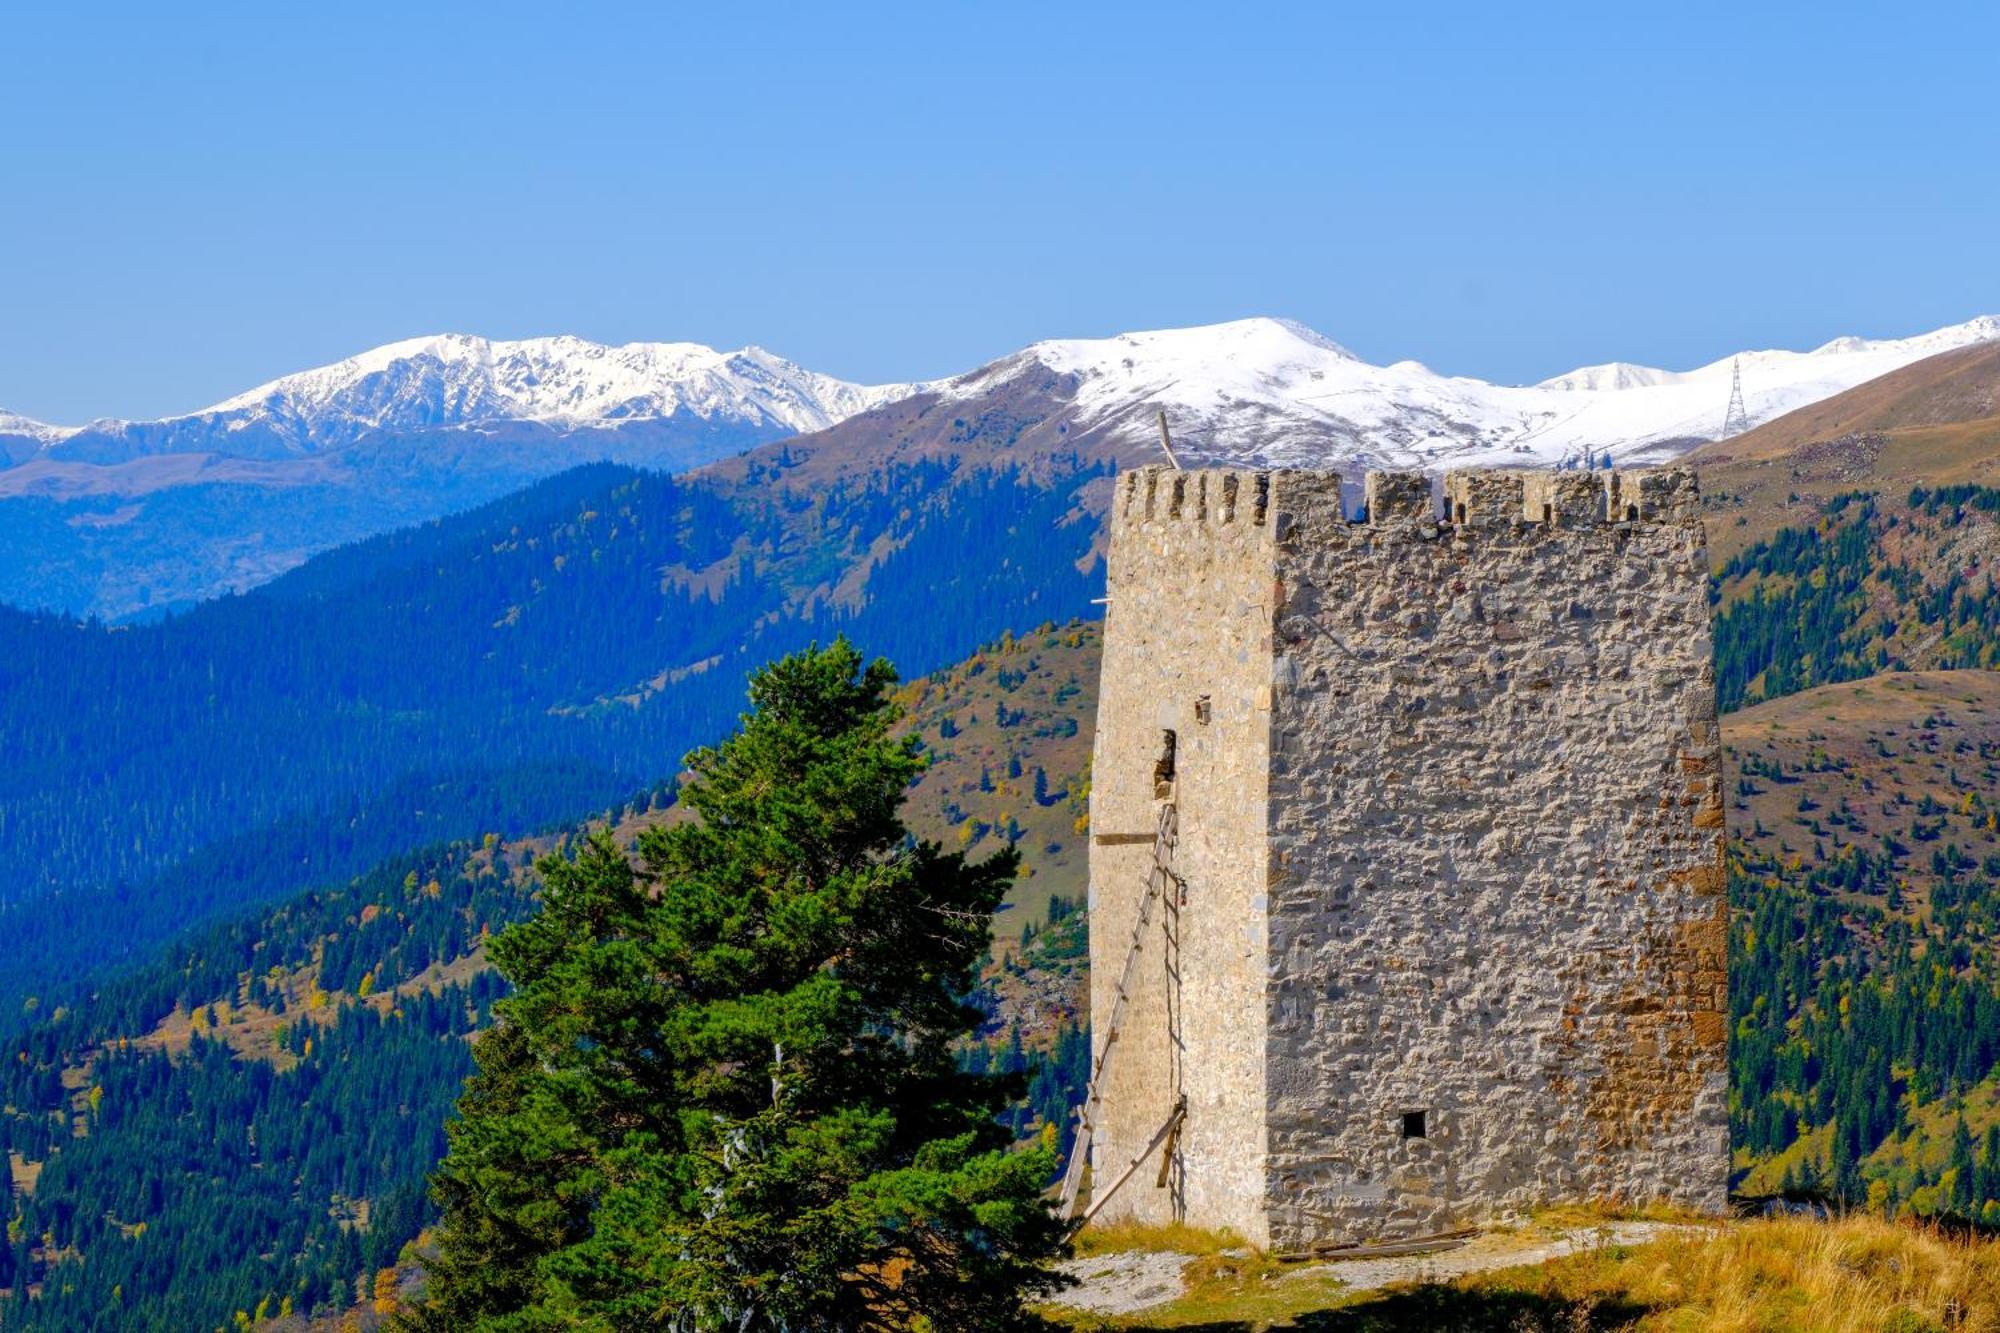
(1123, 1283)
(1119, 1284)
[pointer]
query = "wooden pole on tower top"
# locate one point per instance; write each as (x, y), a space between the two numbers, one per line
(1167, 443)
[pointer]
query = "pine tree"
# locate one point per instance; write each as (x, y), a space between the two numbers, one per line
(723, 1095)
(1961, 1165)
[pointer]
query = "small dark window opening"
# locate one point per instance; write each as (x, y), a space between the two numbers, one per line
(1548, 512)
(1163, 771)
(1631, 513)
(1413, 1125)
(1461, 511)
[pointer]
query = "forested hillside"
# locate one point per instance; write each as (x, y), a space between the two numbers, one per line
(1867, 888)
(1873, 583)
(540, 657)
(1863, 988)
(245, 1124)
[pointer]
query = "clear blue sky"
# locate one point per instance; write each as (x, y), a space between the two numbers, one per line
(194, 201)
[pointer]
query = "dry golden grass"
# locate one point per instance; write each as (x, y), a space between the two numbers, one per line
(1857, 1274)
(23, 1172)
(1583, 1216)
(1174, 1238)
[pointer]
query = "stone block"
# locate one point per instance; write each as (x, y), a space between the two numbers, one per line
(1398, 497)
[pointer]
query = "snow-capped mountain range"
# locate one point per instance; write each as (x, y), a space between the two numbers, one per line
(122, 518)
(1267, 390)
(1274, 392)
(457, 381)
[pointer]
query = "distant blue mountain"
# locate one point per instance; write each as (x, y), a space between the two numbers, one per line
(122, 519)
(544, 655)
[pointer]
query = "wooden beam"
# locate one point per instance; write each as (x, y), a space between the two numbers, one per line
(1159, 1137)
(1167, 1153)
(1167, 443)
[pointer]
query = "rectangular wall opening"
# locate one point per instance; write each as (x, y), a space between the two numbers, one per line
(1414, 1126)
(1163, 769)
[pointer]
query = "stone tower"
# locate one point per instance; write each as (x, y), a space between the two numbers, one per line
(1416, 820)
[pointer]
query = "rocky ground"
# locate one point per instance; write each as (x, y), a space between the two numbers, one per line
(1132, 1282)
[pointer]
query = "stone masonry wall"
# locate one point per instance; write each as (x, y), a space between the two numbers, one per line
(1496, 854)
(1451, 835)
(1187, 636)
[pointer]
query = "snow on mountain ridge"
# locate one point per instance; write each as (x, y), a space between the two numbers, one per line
(14, 424)
(1624, 374)
(1260, 389)
(1610, 375)
(1272, 392)
(460, 379)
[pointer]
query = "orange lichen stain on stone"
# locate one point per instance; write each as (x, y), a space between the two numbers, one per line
(1704, 881)
(1648, 1038)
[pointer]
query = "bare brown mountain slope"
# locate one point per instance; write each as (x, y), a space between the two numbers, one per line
(1023, 420)
(1899, 765)
(1947, 389)
(1934, 423)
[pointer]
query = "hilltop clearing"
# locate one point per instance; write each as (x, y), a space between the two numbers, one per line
(1901, 769)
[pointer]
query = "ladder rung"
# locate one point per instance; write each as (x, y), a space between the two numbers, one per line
(1166, 886)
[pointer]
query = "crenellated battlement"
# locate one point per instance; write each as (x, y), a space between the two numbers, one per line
(1219, 495)
(1564, 499)
(1471, 498)
(1500, 497)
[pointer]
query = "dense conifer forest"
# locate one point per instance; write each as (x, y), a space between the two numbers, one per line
(492, 672)
(246, 1124)
(1848, 1022)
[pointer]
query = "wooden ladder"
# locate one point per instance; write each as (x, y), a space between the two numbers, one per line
(1162, 885)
